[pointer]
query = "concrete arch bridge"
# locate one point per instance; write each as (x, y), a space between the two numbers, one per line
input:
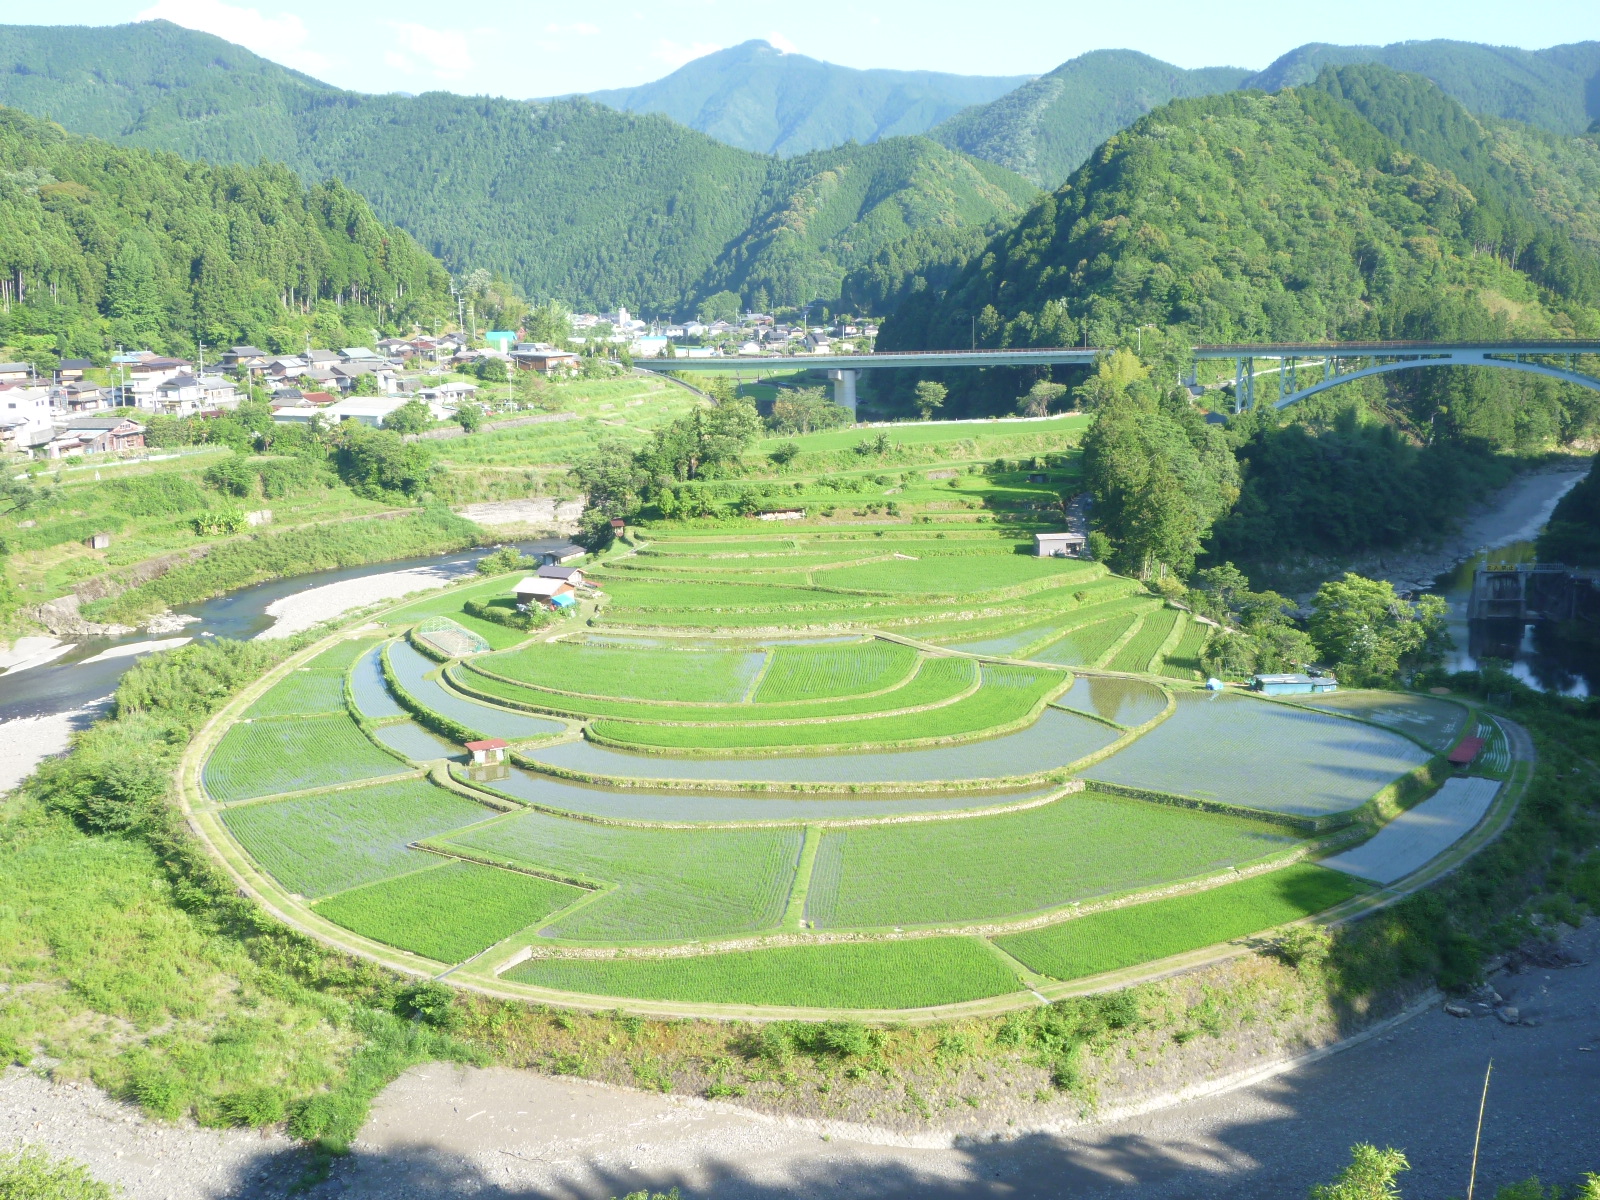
(1301, 369)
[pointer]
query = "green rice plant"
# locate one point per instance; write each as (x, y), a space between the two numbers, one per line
(915, 973)
(1008, 865)
(1139, 933)
(1005, 696)
(634, 671)
(324, 843)
(1140, 652)
(1184, 661)
(448, 913)
(958, 577)
(719, 597)
(301, 692)
(1088, 644)
(462, 719)
(826, 672)
(341, 655)
(936, 686)
(1494, 760)
(263, 758)
(1016, 637)
(669, 884)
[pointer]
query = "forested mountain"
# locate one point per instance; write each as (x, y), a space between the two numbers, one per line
(1557, 88)
(101, 244)
(758, 98)
(565, 198)
(1047, 127)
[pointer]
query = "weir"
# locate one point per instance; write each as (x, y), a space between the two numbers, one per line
(1529, 592)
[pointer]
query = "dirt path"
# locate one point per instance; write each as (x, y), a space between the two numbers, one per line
(443, 1132)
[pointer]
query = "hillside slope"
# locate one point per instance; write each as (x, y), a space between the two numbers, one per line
(103, 244)
(1244, 217)
(1047, 127)
(565, 198)
(758, 98)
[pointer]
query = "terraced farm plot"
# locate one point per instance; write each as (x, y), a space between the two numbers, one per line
(1081, 846)
(451, 912)
(301, 692)
(1263, 755)
(829, 671)
(1126, 702)
(1435, 723)
(452, 603)
(917, 973)
(1420, 834)
(638, 672)
(342, 655)
(416, 743)
(1184, 661)
(316, 845)
(1495, 758)
(663, 602)
(1016, 643)
(263, 758)
(1088, 644)
(925, 687)
(1005, 695)
(1125, 937)
(411, 669)
(957, 576)
(976, 435)
(1054, 740)
(670, 884)
(631, 804)
(1139, 655)
(372, 696)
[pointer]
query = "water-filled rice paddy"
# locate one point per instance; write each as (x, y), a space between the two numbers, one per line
(637, 672)
(630, 804)
(1055, 739)
(914, 973)
(1434, 722)
(371, 693)
(448, 913)
(1082, 845)
(1237, 750)
(1127, 702)
(416, 743)
(1125, 937)
(263, 758)
(410, 668)
(669, 884)
(1419, 834)
(328, 842)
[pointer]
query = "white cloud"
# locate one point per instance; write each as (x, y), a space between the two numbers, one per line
(443, 50)
(675, 55)
(782, 44)
(283, 38)
(581, 28)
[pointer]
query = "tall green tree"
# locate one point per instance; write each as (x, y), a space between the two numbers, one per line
(1371, 635)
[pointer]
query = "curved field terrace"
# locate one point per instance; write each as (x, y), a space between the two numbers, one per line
(867, 770)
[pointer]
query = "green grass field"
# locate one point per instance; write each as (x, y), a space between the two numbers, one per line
(1006, 695)
(670, 884)
(916, 973)
(1139, 654)
(450, 912)
(315, 845)
(263, 758)
(1125, 937)
(301, 692)
(1083, 845)
(638, 672)
(1184, 661)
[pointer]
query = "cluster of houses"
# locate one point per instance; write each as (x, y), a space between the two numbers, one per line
(753, 335)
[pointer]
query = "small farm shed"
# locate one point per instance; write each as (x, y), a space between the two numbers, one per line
(783, 514)
(1293, 685)
(490, 750)
(1466, 752)
(562, 572)
(98, 541)
(553, 593)
(561, 554)
(1059, 545)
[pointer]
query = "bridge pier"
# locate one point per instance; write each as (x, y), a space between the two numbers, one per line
(844, 389)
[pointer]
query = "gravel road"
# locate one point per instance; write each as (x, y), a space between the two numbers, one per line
(443, 1132)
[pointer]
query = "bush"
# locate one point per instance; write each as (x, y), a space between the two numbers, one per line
(255, 1108)
(504, 612)
(223, 523)
(31, 1174)
(503, 561)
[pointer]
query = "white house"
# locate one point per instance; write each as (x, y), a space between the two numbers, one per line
(178, 396)
(25, 414)
(369, 410)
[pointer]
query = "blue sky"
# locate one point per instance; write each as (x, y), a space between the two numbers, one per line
(544, 47)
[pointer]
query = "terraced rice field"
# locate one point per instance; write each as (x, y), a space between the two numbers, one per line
(916, 973)
(372, 697)
(416, 743)
(830, 671)
(451, 602)
(411, 669)
(639, 673)
(1141, 651)
(1436, 723)
(1020, 642)
(951, 576)
(448, 913)
(1184, 661)
(263, 758)
(301, 692)
(1125, 937)
(1494, 760)
(316, 845)
(342, 655)
(1052, 741)
(1263, 755)
(1005, 695)
(1086, 645)
(669, 884)
(1126, 702)
(1081, 846)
